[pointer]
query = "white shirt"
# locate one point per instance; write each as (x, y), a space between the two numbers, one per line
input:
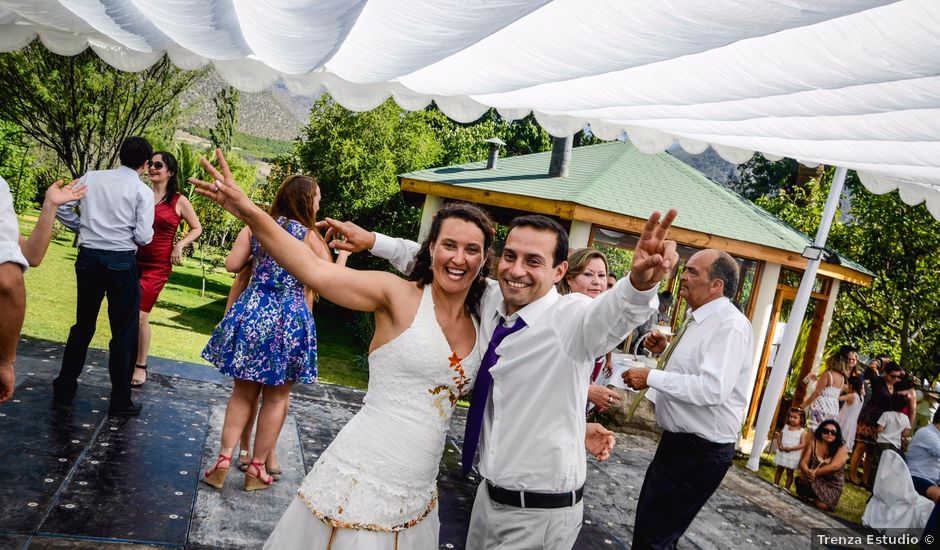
(534, 427)
(116, 213)
(923, 454)
(703, 387)
(894, 423)
(9, 229)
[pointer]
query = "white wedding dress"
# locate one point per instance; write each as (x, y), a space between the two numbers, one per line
(375, 486)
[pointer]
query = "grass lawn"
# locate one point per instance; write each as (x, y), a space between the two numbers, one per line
(182, 320)
(851, 505)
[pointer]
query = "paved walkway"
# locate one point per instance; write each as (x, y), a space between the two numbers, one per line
(83, 480)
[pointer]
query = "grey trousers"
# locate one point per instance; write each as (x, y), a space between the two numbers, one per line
(495, 525)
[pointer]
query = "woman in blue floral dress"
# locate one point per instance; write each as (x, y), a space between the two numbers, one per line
(267, 340)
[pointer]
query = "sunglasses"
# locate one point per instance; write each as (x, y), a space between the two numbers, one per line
(829, 432)
(156, 165)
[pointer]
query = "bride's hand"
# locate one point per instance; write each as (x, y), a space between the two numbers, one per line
(224, 190)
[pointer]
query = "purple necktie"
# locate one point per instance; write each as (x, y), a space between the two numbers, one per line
(481, 391)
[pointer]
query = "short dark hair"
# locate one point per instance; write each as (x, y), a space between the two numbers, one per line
(135, 152)
(936, 416)
(543, 223)
(898, 402)
(726, 268)
(889, 366)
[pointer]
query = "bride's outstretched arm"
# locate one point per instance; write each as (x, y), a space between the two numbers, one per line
(358, 290)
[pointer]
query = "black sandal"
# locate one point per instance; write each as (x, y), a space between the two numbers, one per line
(139, 383)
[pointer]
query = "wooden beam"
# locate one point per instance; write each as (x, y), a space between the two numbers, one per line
(735, 247)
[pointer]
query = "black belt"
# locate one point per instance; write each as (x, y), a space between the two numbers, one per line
(528, 499)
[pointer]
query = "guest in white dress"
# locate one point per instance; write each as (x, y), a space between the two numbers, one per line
(790, 443)
(852, 402)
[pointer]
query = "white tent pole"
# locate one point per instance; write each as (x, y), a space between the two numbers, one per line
(782, 361)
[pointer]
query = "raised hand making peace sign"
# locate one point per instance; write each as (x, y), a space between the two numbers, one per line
(654, 256)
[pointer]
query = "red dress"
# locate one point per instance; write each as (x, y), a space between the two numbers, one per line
(153, 259)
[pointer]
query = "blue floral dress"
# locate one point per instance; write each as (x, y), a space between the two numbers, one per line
(268, 335)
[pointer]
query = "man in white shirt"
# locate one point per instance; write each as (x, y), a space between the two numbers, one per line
(116, 217)
(17, 253)
(533, 429)
(700, 399)
(923, 461)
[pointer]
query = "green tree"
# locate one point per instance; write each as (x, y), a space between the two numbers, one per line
(219, 228)
(356, 157)
(82, 108)
(900, 313)
(226, 115)
(760, 177)
(17, 165)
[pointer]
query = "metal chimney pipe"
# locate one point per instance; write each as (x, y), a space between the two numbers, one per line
(495, 143)
(561, 156)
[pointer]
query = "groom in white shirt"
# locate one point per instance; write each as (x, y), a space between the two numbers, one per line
(533, 430)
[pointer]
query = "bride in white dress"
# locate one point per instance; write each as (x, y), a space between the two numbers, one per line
(375, 485)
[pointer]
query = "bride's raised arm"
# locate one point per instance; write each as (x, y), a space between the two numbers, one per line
(350, 288)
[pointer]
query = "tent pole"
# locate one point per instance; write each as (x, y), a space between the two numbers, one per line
(781, 368)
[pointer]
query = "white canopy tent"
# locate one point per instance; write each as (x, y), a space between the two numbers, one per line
(846, 83)
(850, 83)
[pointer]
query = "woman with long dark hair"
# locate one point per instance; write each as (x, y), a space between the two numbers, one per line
(821, 467)
(375, 486)
(156, 259)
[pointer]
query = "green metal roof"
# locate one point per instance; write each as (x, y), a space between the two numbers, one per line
(616, 177)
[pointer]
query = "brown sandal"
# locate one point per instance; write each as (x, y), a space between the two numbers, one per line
(255, 482)
(216, 475)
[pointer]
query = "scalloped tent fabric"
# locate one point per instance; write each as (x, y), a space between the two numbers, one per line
(852, 83)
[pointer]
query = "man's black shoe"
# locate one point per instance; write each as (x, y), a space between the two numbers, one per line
(130, 409)
(62, 401)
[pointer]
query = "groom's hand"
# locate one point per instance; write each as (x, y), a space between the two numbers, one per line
(654, 256)
(599, 441)
(347, 236)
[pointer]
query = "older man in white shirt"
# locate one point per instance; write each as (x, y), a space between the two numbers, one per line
(700, 402)
(17, 253)
(116, 217)
(527, 410)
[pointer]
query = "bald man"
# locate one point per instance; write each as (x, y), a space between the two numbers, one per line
(700, 402)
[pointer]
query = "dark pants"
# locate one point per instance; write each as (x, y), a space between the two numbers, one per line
(684, 473)
(101, 273)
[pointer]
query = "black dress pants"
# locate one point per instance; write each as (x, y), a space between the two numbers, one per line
(684, 473)
(100, 274)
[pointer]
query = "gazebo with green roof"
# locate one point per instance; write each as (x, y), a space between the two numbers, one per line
(608, 193)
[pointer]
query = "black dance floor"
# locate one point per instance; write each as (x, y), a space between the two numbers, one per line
(79, 479)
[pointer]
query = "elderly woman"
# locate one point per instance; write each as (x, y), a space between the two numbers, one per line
(821, 467)
(587, 274)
